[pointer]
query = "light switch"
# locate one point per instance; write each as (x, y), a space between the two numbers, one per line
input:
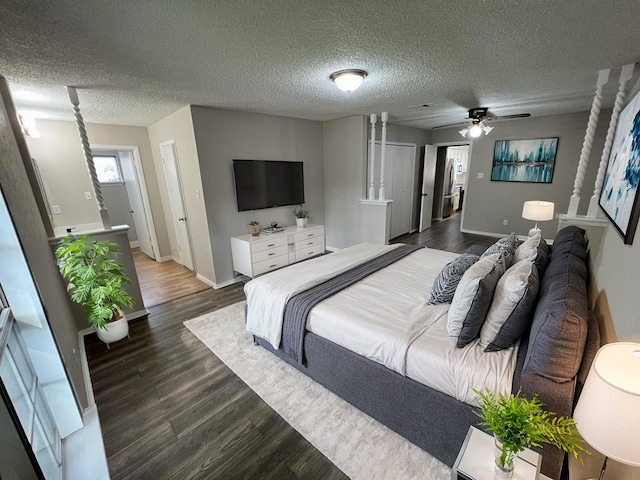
(56, 209)
(87, 195)
(481, 175)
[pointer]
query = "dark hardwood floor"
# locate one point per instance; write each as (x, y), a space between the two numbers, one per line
(169, 408)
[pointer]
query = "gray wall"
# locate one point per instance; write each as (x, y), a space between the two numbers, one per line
(21, 202)
(117, 202)
(345, 167)
(487, 203)
(224, 135)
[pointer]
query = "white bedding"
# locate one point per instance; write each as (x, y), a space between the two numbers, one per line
(385, 318)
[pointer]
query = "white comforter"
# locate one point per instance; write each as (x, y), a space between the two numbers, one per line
(384, 318)
(267, 295)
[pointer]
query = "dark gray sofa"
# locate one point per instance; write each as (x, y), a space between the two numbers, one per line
(553, 357)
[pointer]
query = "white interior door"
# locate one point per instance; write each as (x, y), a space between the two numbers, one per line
(178, 211)
(132, 183)
(428, 183)
(399, 179)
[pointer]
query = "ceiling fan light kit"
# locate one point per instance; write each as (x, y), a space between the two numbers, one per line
(348, 80)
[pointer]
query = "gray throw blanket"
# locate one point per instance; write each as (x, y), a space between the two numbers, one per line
(298, 307)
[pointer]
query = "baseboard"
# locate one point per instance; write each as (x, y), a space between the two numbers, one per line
(331, 249)
(168, 258)
(137, 314)
(134, 244)
(226, 283)
(204, 279)
(84, 364)
(486, 234)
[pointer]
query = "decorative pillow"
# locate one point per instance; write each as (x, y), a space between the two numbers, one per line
(473, 297)
(528, 250)
(512, 307)
(447, 280)
(506, 244)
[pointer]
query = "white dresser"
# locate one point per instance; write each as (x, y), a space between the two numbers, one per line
(254, 256)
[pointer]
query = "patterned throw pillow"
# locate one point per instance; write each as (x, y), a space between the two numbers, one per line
(447, 280)
(507, 244)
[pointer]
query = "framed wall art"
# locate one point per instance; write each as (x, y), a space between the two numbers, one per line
(524, 160)
(619, 195)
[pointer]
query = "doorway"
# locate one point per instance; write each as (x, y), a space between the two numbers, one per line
(452, 163)
(179, 216)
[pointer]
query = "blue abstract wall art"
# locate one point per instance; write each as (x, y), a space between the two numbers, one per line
(619, 196)
(524, 160)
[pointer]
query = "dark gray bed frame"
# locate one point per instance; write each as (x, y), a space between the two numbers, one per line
(433, 421)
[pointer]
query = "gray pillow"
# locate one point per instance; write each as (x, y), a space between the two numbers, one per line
(507, 244)
(473, 297)
(512, 307)
(447, 280)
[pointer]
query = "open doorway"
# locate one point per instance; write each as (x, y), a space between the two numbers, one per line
(452, 163)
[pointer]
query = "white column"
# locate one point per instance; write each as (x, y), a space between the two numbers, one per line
(383, 147)
(372, 157)
(603, 78)
(625, 76)
(86, 148)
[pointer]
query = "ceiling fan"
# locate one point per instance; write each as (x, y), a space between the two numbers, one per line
(476, 121)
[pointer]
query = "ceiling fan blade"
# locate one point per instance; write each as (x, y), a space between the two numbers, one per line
(506, 117)
(451, 125)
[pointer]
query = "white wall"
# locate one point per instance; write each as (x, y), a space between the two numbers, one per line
(224, 135)
(487, 203)
(179, 127)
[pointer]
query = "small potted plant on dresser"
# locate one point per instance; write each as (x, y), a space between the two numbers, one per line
(518, 423)
(302, 216)
(96, 281)
(254, 228)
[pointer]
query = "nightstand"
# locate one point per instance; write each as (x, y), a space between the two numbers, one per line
(476, 458)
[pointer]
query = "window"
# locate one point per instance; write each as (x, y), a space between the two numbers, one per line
(107, 168)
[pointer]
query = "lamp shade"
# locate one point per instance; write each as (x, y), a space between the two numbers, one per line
(537, 210)
(348, 80)
(608, 412)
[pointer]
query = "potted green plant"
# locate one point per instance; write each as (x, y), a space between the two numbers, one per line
(96, 281)
(302, 216)
(254, 228)
(518, 423)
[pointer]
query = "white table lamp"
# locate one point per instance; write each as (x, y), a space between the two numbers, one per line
(608, 412)
(539, 211)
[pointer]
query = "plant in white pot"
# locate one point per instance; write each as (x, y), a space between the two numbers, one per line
(518, 423)
(96, 281)
(302, 216)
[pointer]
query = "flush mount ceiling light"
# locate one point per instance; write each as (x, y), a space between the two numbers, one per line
(348, 80)
(475, 129)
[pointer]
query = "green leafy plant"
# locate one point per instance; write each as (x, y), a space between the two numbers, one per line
(301, 213)
(254, 222)
(95, 277)
(520, 423)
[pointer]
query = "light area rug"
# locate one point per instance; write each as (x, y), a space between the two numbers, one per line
(361, 447)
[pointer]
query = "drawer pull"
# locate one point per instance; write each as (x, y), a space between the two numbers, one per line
(272, 253)
(274, 265)
(311, 253)
(271, 245)
(310, 235)
(310, 243)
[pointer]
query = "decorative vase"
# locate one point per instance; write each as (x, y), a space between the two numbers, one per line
(254, 230)
(301, 222)
(114, 331)
(505, 459)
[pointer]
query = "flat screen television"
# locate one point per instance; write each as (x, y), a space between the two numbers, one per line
(268, 183)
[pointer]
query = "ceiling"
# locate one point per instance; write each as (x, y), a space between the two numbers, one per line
(135, 62)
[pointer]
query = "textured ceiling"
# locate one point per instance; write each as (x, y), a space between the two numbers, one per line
(138, 61)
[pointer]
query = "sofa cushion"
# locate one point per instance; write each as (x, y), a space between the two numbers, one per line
(449, 277)
(472, 298)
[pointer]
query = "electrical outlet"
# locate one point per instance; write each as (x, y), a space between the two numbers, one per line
(505, 222)
(481, 175)
(87, 195)
(56, 209)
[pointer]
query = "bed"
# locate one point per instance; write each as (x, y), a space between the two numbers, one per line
(357, 322)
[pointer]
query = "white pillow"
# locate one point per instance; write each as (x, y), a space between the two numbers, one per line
(473, 296)
(511, 308)
(528, 250)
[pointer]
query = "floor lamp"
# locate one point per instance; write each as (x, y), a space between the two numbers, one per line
(608, 412)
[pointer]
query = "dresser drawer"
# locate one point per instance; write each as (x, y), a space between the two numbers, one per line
(270, 253)
(310, 242)
(270, 264)
(305, 253)
(269, 244)
(316, 232)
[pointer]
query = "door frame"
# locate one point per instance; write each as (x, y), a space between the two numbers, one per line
(182, 198)
(142, 184)
(454, 144)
